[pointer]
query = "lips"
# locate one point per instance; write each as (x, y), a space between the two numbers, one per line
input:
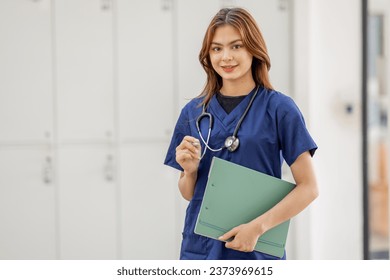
(228, 68)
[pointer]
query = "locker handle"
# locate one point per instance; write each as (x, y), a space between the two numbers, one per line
(48, 171)
(109, 169)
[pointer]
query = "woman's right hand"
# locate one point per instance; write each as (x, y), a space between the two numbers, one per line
(188, 154)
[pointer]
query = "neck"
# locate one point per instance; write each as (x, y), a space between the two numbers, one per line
(234, 88)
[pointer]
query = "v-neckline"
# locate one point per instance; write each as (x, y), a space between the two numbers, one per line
(228, 119)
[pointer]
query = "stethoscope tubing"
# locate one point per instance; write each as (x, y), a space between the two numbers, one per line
(206, 144)
(205, 114)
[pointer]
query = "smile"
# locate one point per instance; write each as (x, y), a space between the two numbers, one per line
(229, 68)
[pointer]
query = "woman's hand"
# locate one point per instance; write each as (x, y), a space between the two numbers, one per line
(188, 154)
(245, 237)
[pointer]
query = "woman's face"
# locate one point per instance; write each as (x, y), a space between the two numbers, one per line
(229, 57)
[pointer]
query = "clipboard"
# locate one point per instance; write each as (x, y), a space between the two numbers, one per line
(235, 195)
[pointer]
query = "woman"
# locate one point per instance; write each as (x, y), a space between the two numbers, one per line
(239, 101)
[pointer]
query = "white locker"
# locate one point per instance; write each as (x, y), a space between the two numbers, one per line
(27, 204)
(149, 202)
(88, 202)
(84, 69)
(26, 102)
(145, 68)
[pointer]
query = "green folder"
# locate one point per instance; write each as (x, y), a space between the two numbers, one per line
(235, 195)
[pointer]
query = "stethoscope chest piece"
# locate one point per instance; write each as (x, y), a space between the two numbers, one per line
(231, 143)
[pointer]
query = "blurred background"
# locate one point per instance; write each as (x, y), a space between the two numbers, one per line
(90, 91)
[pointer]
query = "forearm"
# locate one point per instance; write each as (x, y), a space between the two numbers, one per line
(296, 201)
(187, 183)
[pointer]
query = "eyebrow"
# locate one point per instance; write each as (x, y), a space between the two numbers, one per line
(232, 42)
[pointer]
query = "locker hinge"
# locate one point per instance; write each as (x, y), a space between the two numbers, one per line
(166, 5)
(283, 5)
(105, 5)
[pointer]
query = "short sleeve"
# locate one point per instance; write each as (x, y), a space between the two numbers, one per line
(181, 129)
(294, 138)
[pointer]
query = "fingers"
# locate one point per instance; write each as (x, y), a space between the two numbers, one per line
(230, 234)
(239, 246)
(190, 139)
(183, 155)
(189, 143)
(189, 148)
(237, 243)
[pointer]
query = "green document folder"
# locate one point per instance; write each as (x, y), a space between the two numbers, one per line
(235, 195)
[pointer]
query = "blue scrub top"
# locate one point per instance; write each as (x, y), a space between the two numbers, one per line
(273, 130)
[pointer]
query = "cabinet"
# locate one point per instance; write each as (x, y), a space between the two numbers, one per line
(84, 106)
(27, 191)
(145, 49)
(60, 60)
(146, 95)
(148, 201)
(88, 208)
(28, 197)
(84, 70)
(26, 87)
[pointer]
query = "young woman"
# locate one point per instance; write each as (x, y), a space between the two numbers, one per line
(239, 103)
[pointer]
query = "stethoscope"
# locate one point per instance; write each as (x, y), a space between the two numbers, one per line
(231, 142)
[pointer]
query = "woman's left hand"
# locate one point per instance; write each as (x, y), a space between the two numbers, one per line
(245, 237)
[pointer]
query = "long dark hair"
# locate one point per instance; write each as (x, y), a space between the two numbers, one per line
(252, 40)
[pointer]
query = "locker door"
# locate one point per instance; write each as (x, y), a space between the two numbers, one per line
(84, 52)
(25, 71)
(87, 203)
(27, 204)
(149, 203)
(145, 68)
(273, 18)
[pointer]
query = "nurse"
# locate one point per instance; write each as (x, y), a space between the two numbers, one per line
(238, 100)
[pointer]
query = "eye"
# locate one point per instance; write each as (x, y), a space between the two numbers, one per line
(236, 47)
(216, 49)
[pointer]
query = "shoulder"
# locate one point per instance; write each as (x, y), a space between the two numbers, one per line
(278, 99)
(279, 103)
(194, 106)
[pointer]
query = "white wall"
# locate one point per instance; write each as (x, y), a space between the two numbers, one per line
(327, 76)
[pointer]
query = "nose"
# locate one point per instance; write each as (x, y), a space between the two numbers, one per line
(227, 55)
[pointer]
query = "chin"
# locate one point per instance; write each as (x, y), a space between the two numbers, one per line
(229, 77)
